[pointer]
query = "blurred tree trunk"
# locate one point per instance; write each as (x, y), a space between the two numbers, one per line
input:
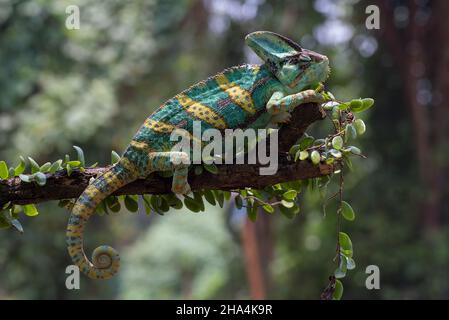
(421, 51)
(257, 242)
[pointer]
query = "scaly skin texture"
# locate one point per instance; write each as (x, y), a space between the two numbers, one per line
(247, 96)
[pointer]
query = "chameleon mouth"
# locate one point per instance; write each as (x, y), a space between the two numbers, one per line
(323, 77)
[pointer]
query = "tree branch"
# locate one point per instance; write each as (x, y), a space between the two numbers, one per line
(60, 186)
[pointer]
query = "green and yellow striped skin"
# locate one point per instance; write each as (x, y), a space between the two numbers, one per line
(247, 96)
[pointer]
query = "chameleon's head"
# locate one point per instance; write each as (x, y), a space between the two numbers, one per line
(292, 65)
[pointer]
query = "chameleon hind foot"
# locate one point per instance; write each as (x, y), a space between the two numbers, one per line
(180, 184)
(175, 161)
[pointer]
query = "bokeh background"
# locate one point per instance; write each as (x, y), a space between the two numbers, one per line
(93, 87)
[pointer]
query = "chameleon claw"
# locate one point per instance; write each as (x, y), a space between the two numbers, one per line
(181, 189)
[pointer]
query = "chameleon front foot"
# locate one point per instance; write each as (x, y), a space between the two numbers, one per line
(180, 184)
(283, 117)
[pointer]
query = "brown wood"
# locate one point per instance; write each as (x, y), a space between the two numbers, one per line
(60, 186)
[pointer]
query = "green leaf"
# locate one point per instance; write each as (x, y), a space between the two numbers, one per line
(290, 195)
(164, 207)
(328, 106)
(131, 204)
(289, 213)
(238, 202)
(350, 263)
(209, 196)
(113, 204)
(294, 149)
(34, 166)
(337, 142)
(156, 202)
(331, 96)
(315, 156)
(147, 203)
(17, 225)
(5, 206)
(356, 104)
(191, 204)
(74, 163)
(25, 178)
(197, 196)
(45, 167)
(20, 167)
(102, 208)
(339, 273)
(56, 166)
(364, 105)
(295, 185)
(40, 178)
(287, 204)
(80, 154)
(343, 106)
(268, 208)
(115, 157)
(252, 213)
(360, 127)
(219, 196)
(8, 218)
(354, 150)
(15, 210)
(3, 170)
(212, 168)
(227, 194)
(306, 142)
(303, 155)
(173, 201)
(30, 210)
(350, 132)
(345, 242)
(335, 153)
(347, 211)
(338, 292)
(69, 169)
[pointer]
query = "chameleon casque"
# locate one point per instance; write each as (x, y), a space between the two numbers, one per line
(246, 96)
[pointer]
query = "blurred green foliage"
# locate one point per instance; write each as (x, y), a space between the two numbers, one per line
(187, 256)
(93, 87)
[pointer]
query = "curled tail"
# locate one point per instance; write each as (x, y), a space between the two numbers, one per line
(105, 260)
